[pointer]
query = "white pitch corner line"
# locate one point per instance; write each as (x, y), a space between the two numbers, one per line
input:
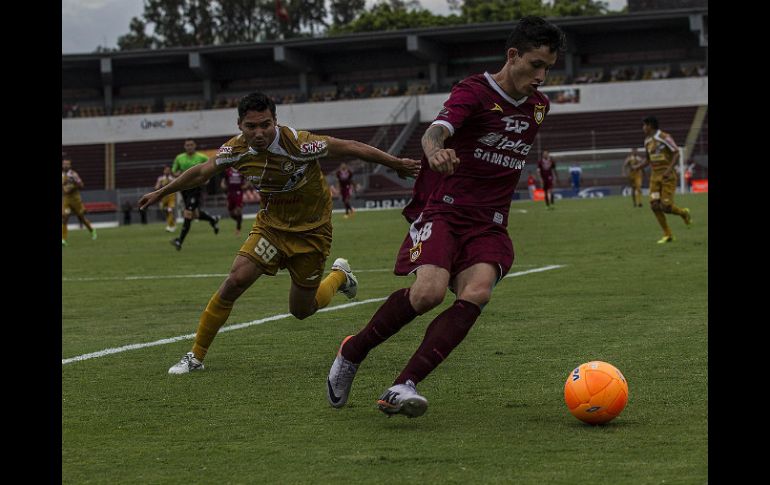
(238, 326)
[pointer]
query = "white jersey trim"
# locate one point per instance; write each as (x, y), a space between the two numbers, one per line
(671, 147)
(502, 93)
(446, 124)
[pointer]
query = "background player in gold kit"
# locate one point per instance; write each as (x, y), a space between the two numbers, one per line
(168, 204)
(632, 169)
(662, 156)
(293, 230)
(71, 183)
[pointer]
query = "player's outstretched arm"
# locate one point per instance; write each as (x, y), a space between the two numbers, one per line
(405, 167)
(442, 160)
(192, 177)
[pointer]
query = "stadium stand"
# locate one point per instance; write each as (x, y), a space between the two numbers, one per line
(376, 64)
(610, 129)
(88, 161)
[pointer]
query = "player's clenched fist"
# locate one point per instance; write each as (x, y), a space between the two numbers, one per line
(444, 161)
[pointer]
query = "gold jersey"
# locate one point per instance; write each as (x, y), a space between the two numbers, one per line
(295, 195)
(632, 160)
(69, 183)
(164, 180)
(660, 150)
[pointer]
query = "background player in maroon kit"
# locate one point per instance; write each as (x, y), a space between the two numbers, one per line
(345, 181)
(235, 183)
(474, 155)
(546, 170)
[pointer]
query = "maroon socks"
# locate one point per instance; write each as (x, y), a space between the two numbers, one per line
(389, 319)
(444, 333)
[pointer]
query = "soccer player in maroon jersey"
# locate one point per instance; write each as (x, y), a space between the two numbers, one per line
(235, 183)
(546, 170)
(475, 151)
(345, 180)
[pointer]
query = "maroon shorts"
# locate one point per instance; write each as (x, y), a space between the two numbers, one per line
(547, 183)
(234, 199)
(455, 244)
(345, 193)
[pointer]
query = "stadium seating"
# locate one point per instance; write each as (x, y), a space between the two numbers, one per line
(88, 162)
(137, 164)
(610, 129)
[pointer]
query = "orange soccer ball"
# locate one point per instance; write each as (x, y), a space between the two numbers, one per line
(596, 392)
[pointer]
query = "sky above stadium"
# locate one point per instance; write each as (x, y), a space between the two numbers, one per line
(87, 24)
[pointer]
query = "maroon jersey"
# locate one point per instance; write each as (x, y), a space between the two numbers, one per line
(345, 178)
(546, 167)
(234, 180)
(491, 133)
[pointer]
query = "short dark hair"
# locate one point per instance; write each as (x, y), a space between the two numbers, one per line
(532, 32)
(652, 121)
(255, 102)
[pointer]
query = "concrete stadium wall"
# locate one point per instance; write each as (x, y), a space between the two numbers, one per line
(368, 112)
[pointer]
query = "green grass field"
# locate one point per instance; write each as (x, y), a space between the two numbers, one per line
(258, 413)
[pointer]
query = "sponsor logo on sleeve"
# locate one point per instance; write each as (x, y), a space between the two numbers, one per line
(312, 147)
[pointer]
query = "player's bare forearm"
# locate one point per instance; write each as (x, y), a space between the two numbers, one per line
(193, 177)
(433, 139)
(440, 159)
(368, 153)
(674, 161)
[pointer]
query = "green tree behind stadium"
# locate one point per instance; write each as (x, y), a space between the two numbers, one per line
(187, 23)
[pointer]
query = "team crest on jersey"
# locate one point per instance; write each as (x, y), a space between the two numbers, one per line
(539, 113)
(287, 166)
(415, 251)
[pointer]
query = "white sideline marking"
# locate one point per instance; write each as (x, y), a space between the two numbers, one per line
(191, 336)
(536, 270)
(238, 326)
(215, 275)
(177, 276)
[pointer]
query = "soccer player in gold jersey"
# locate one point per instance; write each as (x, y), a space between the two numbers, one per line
(632, 170)
(293, 230)
(168, 204)
(662, 156)
(71, 183)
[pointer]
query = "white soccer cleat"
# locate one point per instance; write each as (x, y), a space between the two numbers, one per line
(403, 399)
(188, 364)
(350, 287)
(340, 378)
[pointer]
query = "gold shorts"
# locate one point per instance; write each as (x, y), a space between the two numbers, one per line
(168, 202)
(663, 189)
(72, 205)
(635, 179)
(302, 253)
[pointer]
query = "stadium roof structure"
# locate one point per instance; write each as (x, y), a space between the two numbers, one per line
(298, 58)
